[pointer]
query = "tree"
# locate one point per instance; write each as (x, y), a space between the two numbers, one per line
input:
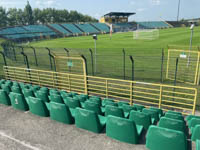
(28, 14)
(3, 17)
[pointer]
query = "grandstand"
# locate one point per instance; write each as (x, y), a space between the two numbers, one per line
(153, 25)
(87, 28)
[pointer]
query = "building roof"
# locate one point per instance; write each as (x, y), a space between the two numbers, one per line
(120, 14)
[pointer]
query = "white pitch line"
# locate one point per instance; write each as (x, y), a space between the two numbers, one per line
(18, 141)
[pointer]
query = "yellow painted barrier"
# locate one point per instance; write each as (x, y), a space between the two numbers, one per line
(167, 97)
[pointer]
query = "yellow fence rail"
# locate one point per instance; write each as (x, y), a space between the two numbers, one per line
(167, 97)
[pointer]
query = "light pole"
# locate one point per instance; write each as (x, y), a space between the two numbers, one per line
(95, 51)
(192, 31)
(179, 3)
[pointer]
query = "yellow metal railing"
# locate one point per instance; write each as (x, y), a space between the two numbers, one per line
(167, 97)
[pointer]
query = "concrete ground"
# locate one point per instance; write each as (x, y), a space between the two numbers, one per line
(25, 131)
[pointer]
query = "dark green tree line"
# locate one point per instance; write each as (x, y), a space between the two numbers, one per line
(29, 16)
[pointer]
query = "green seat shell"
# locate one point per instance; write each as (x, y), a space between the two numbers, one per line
(115, 111)
(61, 113)
(4, 98)
(93, 107)
(56, 98)
(72, 102)
(38, 107)
(196, 133)
(43, 95)
(140, 118)
(159, 138)
(139, 107)
(18, 101)
(153, 113)
(89, 120)
(122, 129)
(128, 108)
(174, 116)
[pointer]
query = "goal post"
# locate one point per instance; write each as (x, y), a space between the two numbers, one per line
(146, 34)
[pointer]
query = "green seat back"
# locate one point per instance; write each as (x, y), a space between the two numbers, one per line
(4, 98)
(65, 94)
(189, 117)
(18, 101)
(128, 108)
(174, 124)
(72, 102)
(35, 88)
(60, 113)
(28, 92)
(105, 100)
(196, 133)
(43, 95)
(81, 98)
(16, 89)
(121, 103)
(153, 113)
(174, 112)
(38, 107)
(73, 94)
(95, 97)
(159, 138)
(54, 92)
(8, 83)
(174, 116)
(139, 107)
(194, 122)
(93, 107)
(45, 89)
(197, 144)
(95, 100)
(56, 98)
(140, 118)
(6, 88)
(88, 120)
(110, 103)
(122, 129)
(160, 111)
(114, 111)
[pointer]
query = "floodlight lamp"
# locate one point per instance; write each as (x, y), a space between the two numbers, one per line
(95, 37)
(192, 27)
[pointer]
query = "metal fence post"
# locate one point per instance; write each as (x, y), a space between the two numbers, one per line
(23, 52)
(67, 51)
(4, 58)
(124, 63)
(162, 63)
(50, 58)
(14, 52)
(132, 62)
(36, 62)
(27, 65)
(176, 70)
(92, 61)
(86, 78)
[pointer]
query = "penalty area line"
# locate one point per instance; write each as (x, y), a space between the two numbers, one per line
(18, 141)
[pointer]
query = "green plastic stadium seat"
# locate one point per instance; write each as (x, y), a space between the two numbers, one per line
(18, 101)
(197, 144)
(4, 98)
(159, 138)
(123, 129)
(16, 89)
(174, 112)
(93, 107)
(56, 98)
(174, 116)
(73, 94)
(128, 108)
(6, 88)
(45, 89)
(190, 117)
(139, 107)
(120, 103)
(28, 92)
(115, 111)
(8, 83)
(196, 133)
(153, 113)
(35, 88)
(38, 107)
(43, 95)
(193, 123)
(105, 100)
(95, 97)
(95, 100)
(140, 118)
(72, 102)
(54, 92)
(61, 113)
(89, 120)
(82, 98)
(173, 124)
(160, 111)
(65, 94)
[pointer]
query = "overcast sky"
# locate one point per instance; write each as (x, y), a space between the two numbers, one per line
(146, 10)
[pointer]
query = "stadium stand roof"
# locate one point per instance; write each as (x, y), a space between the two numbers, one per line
(120, 14)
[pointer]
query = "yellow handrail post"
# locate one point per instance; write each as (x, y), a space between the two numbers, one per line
(69, 82)
(106, 88)
(38, 77)
(131, 93)
(195, 100)
(160, 98)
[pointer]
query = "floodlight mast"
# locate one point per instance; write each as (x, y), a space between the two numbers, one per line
(192, 31)
(179, 3)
